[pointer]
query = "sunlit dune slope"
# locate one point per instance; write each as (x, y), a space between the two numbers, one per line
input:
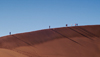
(77, 41)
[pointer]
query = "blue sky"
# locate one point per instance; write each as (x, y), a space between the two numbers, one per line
(18, 16)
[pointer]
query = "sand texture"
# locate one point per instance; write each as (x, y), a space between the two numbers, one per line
(76, 41)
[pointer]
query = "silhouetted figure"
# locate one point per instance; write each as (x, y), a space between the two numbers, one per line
(66, 25)
(9, 33)
(49, 27)
(76, 24)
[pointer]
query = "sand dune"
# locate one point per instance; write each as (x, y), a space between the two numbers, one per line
(78, 41)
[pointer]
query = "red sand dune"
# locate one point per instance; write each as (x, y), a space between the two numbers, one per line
(78, 41)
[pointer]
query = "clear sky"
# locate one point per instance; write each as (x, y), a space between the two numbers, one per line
(18, 16)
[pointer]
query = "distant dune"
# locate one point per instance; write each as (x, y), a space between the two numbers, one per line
(76, 41)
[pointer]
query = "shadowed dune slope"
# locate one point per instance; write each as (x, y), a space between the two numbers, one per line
(76, 41)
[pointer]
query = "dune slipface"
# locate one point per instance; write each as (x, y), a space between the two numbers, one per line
(78, 41)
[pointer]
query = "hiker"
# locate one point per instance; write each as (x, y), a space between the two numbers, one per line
(9, 33)
(76, 24)
(49, 27)
(66, 25)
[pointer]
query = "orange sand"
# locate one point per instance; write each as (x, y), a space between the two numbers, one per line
(78, 41)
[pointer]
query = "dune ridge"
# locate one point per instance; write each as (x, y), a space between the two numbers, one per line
(76, 41)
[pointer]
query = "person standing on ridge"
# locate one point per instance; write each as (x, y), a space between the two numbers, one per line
(9, 33)
(76, 24)
(66, 25)
(49, 27)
